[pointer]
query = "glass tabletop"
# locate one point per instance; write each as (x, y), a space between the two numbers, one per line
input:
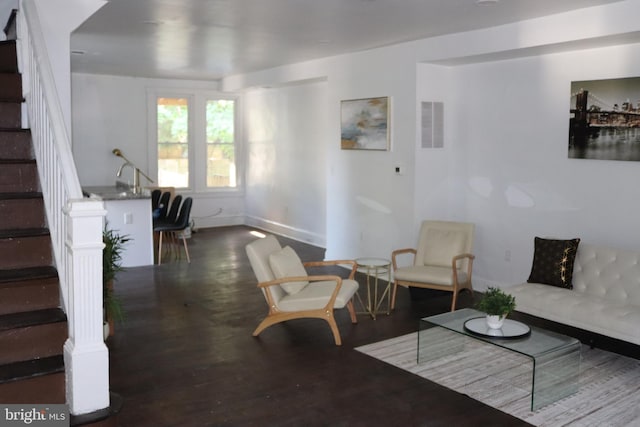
(556, 357)
(535, 344)
(373, 262)
(510, 328)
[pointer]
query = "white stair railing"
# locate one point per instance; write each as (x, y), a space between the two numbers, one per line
(75, 223)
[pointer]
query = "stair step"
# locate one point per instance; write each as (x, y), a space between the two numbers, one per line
(18, 176)
(34, 381)
(40, 389)
(21, 196)
(32, 335)
(15, 144)
(31, 318)
(11, 86)
(26, 369)
(26, 274)
(25, 248)
(8, 57)
(10, 115)
(27, 232)
(9, 162)
(22, 213)
(29, 289)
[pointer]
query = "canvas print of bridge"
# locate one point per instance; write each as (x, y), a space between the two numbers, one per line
(604, 121)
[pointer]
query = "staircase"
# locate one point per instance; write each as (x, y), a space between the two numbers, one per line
(33, 328)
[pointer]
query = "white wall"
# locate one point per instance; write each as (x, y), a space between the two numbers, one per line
(504, 165)
(437, 170)
(286, 160)
(370, 209)
(108, 112)
(111, 112)
(58, 19)
(519, 180)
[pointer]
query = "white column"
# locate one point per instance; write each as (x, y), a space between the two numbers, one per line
(86, 357)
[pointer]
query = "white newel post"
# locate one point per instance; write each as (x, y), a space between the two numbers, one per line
(86, 357)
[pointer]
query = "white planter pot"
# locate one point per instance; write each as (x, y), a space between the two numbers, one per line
(495, 321)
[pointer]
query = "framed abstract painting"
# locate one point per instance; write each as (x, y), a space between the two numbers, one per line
(364, 124)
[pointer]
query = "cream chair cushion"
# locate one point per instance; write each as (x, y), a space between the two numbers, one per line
(437, 275)
(286, 263)
(442, 246)
(315, 295)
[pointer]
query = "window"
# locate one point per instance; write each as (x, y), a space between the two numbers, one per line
(194, 142)
(221, 156)
(173, 142)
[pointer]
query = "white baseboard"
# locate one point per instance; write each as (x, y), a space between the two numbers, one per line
(262, 224)
(287, 231)
(218, 221)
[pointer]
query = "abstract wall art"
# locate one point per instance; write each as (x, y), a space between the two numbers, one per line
(364, 124)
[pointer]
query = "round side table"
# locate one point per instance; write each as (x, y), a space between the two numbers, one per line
(373, 269)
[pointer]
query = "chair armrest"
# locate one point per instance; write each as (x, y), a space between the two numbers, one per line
(316, 278)
(455, 259)
(350, 262)
(454, 268)
(462, 256)
(397, 252)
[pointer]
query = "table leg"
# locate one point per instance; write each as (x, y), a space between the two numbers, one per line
(374, 301)
(435, 342)
(556, 375)
(386, 293)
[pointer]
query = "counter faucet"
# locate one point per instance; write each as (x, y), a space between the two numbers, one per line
(136, 171)
(136, 176)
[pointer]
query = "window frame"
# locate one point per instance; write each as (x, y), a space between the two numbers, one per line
(197, 140)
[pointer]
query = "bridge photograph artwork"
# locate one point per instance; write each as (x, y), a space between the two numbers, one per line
(604, 119)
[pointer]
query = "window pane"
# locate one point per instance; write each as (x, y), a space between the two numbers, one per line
(173, 142)
(221, 165)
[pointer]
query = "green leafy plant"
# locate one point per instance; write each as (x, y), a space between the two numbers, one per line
(496, 302)
(111, 265)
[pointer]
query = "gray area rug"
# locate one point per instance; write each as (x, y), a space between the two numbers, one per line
(608, 394)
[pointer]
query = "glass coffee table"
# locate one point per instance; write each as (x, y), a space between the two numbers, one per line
(555, 357)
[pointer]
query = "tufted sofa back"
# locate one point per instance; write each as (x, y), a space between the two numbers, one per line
(609, 273)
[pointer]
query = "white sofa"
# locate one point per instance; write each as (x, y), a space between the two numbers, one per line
(605, 298)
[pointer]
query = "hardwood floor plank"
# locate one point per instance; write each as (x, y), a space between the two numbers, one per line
(185, 355)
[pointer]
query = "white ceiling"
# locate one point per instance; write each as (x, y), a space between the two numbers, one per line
(212, 39)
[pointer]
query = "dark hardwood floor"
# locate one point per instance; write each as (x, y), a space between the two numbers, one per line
(185, 355)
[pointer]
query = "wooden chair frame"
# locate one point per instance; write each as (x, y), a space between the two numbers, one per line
(326, 313)
(173, 242)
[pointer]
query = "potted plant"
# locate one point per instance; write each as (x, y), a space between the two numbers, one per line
(111, 265)
(497, 304)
